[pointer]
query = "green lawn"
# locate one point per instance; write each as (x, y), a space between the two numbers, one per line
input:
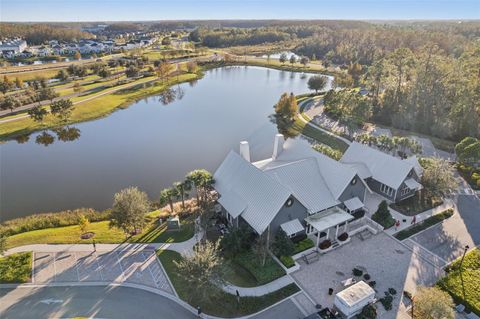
(91, 109)
(262, 273)
(452, 283)
(239, 276)
(16, 268)
(417, 204)
(103, 234)
(224, 305)
(435, 219)
(300, 127)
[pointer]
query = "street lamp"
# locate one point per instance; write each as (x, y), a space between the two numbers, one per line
(461, 269)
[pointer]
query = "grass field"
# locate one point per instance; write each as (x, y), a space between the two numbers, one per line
(300, 127)
(224, 305)
(32, 75)
(16, 268)
(153, 233)
(91, 109)
(470, 275)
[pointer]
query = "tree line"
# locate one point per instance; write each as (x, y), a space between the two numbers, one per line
(39, 33)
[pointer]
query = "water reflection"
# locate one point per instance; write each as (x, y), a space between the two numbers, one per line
(168, 96)
(46, 138)
(21, 139)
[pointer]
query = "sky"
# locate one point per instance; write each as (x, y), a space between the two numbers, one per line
(136, 10)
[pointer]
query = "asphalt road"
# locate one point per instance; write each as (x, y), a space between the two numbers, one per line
(91, 302)
(284, 310)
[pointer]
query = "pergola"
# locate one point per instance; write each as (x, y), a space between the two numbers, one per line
(324, 220)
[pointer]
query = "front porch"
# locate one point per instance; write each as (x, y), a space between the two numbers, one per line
(328, 229)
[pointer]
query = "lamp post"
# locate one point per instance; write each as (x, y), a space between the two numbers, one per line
(461, 270)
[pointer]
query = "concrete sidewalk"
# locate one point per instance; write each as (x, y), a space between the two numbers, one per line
(259, 290)
(184, 248)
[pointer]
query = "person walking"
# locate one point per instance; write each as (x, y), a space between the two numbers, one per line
(94, 245)
(199, 312)
(414, 220)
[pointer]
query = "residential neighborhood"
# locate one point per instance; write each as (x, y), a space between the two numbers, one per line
(236, 159)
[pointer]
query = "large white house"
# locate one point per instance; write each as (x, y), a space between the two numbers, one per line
(303, 191)
(12, 47)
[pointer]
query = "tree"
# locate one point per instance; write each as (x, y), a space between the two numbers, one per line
(37, 113)
(164, 70)
(235, 242)
(433, 303)
(355, 71)
(192, 67)
(182, 188)
(77, 56)
(293, 59)
(18, 83)
(317, 83)
(304, 60)
(439, 177)
(282, 245)
(167, 195)
(202, 270)
(62, 109)
(83, 223)
(132, 72)
(9, 102)
(129, 208)
(468, 150)
(62, 75)
(77, 87)
(260, 247)
(287, 107)
(203, 181)
(104, 73)
(46, 93)
(3, 243)
(383, 216)
(283, 58)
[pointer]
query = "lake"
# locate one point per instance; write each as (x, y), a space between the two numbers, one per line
(151, 144)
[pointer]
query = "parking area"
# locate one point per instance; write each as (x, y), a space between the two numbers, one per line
(448, 239)
(132, 266)
(389, 263)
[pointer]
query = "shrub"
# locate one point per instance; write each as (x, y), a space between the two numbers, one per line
(383, 216)
(50, 220)
(392, 291)
(357, 272)
(387, 302)
(305, 244)
(358, 214)
(368, 312)
(343, 237)
(372, 283)
(366, 277)
(287, 261)
(282, 246)
(325, 244)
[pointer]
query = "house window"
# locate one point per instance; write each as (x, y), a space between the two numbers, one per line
(354, 181)
(289, 202)
(386, 190)
(405, 191)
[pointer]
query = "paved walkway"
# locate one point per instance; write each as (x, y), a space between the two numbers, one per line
(259, 290)
(447, 204)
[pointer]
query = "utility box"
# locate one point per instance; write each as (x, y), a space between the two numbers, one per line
(173, 223)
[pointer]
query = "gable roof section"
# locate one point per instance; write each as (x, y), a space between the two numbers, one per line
(246, 186)
(336, 175)
(305, 182)
(385, 168)
(416, 164)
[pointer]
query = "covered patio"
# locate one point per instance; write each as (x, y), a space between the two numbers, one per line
(323, 223)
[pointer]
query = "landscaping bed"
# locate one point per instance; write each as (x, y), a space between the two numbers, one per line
(417, 204)
(224, 304)
(452, 283)
(16, 268)
(435, 219)
(470, 174)
(262, 273)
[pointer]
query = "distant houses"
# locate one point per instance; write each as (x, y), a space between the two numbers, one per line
(12, 47)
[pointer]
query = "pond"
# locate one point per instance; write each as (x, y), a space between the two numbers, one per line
(151, 144)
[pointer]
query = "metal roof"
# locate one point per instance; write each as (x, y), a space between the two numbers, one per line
(233, 203)
(305, 182)
(416, 164)
(353, 204)
(413, 184)
(385, 168)
(328, 218)
(263, 196)
(292, 227)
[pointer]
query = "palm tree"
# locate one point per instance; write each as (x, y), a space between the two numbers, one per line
(167, 195)
(182, 188)
(202, 180)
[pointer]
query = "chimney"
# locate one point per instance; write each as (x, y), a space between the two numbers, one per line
(277, 145)
(245, 150)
